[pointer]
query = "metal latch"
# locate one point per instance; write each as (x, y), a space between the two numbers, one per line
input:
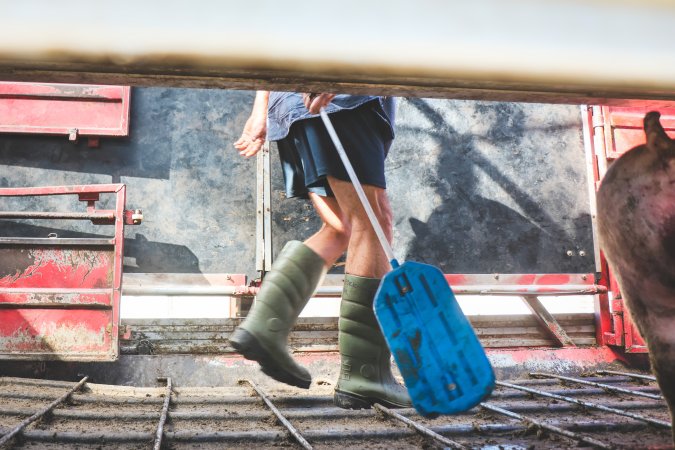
(133, 217)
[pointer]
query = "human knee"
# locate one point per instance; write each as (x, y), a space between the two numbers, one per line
(386, 216)
(339, 233)
(361, 222)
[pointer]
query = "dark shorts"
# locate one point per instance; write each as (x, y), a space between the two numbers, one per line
(308, 155)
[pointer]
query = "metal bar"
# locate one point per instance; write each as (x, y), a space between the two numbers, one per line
(162, 417)
(120, 202)
(541, 425)
(60, 91)
(311, 413)
(336, 291)
(590, 152)
(419, 428)
(314, 400)
(620, 412)
(60, 190)
(176, 290)
(91, 437)
(259, 221)
(574, 436)
(608, 333)
(45, 291)
(56, 241)
(56, 215)
(319, 435)
(626, 374)
(547, 322)
(179, 400)
(267, 206)
(289, 426)
(565, 289)
(600, 385)
(569, 392)
(54, 305)
(19, 428)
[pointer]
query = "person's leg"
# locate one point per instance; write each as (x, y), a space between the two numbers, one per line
(296, 273)
(365, 256)
(365, 368)
(331, 241)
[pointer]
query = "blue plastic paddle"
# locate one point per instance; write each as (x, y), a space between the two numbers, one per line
(437, 352)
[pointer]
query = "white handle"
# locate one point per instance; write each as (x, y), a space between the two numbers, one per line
(359, 190)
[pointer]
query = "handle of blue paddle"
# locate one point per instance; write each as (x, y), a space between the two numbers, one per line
(359, 189)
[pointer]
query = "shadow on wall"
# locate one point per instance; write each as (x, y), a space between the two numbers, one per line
(180, 168)
(140, 254)
(528, 227)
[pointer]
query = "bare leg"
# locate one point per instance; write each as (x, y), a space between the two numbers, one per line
(295, 274)
(365, 361)
(330, 242)
(365, 256)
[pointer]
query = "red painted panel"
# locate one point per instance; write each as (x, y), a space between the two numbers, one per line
(48, 267)
(627, 129)
(633, 340)
(70, 333)
(624, 129)
(526, 279)
(55, 297)
(60, 298)
(61, 108)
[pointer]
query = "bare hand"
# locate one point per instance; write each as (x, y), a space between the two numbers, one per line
(254, 135)
(314, 102)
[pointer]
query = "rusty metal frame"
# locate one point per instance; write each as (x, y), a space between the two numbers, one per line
(263, 260)
(163, 415)
(527, 286)
(604, 386)
(280, 417)
(590, 405)
(614, 326)
(424, 431)
(7, 438)
(547, 322)
(637, 376)
(231, 412)
(544, 426)
(118, 217)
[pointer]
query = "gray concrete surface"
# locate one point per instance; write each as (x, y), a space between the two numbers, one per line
(476, 186)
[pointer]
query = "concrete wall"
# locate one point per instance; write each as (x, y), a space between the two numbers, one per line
(476, 186)
(480, 187)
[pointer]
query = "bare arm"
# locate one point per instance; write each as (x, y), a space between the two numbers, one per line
(255, 131)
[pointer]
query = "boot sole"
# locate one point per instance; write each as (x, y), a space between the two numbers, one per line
(346, 400)
(248, 346)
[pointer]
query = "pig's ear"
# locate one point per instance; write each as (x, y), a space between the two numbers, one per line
(656, 138)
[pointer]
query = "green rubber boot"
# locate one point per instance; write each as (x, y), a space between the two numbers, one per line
(263, 336)
(365, 368)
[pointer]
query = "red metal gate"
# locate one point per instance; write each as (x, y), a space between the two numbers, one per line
(60, 297)
(72, 110)
(613, 131)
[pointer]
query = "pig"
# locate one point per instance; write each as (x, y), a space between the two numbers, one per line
(636, 227)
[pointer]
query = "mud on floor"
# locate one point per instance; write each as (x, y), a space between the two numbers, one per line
(105, 417)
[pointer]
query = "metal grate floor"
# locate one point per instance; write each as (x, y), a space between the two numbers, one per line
(543, 412)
